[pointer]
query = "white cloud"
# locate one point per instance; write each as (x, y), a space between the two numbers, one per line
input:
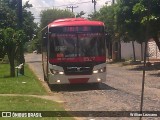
(87, 7)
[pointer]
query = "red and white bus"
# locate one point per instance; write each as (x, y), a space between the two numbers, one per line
(73, 51)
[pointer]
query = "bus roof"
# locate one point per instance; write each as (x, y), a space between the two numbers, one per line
(74, 22)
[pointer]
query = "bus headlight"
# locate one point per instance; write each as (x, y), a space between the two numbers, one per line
(101, 70)
(58, 81)
(56, 72)
(61, 73)
(99, 79)
(95, 71)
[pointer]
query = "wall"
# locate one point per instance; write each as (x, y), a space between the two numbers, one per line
(127, 50)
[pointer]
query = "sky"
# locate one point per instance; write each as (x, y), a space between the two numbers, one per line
(83, 5)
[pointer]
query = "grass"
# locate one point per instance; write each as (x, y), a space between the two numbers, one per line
(23, 103)
(27, 84)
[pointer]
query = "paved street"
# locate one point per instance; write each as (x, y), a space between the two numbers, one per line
(121, 91)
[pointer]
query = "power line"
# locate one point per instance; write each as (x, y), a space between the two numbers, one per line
(72, 7)
(65, 5)
(73, 4)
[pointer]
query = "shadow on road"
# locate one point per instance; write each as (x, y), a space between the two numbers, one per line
(156, 74)
(148, 68)
(80, 87)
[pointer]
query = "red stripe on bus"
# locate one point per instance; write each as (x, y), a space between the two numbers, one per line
(78, 59)
(78, 80)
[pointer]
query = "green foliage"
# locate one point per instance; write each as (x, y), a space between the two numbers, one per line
(12, 39)
(148, 10)
(49, 15)
(7, 17)
(12, 36)
(33, 45)
(2, 47)
(129, 25)
(29, 27)
(128, 18)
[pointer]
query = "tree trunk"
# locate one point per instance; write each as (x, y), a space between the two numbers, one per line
(12, 66)
(12, 69)
(11, 57)
(142, 52)
(110, 50)
(119, 49)
(134, 55)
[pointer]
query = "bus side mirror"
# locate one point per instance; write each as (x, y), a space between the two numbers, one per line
(44, 41)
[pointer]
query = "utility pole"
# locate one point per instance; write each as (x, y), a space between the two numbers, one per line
(145, 57)
(94, 2)
(20, 14)
(21, 50)
(113, 1)
(72, 7)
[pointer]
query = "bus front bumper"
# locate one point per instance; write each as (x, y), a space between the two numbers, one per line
(77, 79)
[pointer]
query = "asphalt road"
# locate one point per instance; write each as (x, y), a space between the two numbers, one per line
(120, 92)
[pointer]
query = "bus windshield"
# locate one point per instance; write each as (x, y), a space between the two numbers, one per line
(91, 44)
(76, 45)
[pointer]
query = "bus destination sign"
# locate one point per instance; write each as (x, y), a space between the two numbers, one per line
(76, 29)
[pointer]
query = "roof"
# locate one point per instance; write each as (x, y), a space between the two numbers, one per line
(74, 22)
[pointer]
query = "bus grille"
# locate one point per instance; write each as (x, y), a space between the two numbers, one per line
(78, 70)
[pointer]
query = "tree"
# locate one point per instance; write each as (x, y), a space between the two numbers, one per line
(9, 22)
(133, 16)
(50, 15)
(149, 9)
(12, 40)
(129, 27)
(127, 20)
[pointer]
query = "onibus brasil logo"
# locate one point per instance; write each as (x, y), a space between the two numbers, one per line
(21, 114)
